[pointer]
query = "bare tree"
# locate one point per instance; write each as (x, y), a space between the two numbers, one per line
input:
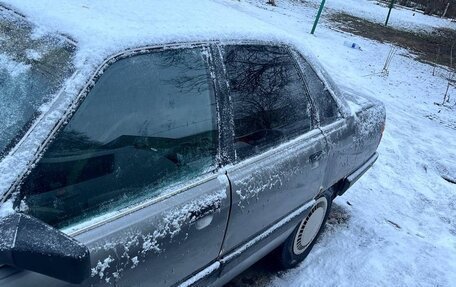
(443, 8)
(446, 9)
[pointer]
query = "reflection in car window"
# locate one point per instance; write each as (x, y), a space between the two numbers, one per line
(147, 123)
(270, 100)
(327, 109)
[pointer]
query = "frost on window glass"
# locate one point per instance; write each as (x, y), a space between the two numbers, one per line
(147, 123)
(270, 100)
(327, 109)
(32, 69)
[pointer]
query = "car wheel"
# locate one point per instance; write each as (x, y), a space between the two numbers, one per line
(299, 244)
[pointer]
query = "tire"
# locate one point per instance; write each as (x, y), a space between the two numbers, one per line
(299, 244)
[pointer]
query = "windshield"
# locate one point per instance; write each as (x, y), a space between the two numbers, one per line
(33, 67)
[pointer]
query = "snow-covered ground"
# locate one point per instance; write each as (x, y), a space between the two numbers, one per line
(400, 17)
(397, 225)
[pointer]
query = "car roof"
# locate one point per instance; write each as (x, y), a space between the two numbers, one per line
(104, 27)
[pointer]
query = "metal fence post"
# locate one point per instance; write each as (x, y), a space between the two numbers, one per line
(318, 16)
(389, 12)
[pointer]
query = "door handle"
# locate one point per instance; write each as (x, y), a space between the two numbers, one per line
(204, 222)
(195, 215)
(203, 217)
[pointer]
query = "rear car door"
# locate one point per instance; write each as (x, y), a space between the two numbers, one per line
(132, 173)
(337, 129)
(280, 154)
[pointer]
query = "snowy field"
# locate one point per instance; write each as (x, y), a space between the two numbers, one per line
(397, 225)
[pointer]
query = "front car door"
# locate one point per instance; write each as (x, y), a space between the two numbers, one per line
(133, 173)
(280, 154)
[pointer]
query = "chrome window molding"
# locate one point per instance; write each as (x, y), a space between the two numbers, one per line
(83, 227)
(288, 145)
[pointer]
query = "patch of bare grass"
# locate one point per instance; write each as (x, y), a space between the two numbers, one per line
(432, 47)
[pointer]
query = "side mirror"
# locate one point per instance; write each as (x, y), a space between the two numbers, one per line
(30, 244)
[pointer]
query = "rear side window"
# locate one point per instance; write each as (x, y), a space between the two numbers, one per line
(327, 109)
(148, 123)
(270, 100)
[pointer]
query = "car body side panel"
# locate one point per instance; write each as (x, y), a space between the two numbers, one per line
(352, 141)
(159, 245)
(341, 157)
(268, 187)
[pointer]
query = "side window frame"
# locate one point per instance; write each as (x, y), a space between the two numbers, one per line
(206, 52)
(225, 119)
(228, 115)
(299, 58)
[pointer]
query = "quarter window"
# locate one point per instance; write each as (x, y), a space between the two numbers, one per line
(327, 109)
(148, 123)
(270, 100)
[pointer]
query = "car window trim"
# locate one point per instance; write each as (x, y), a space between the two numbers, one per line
(313, 113)
(84, 227)
(82, 94)
(225, 106)
(278, 149)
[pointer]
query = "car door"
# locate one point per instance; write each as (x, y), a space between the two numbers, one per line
(280, 154)
(337, 129)
(133, 173)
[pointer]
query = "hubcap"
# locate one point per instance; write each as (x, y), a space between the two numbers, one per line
(310, 226)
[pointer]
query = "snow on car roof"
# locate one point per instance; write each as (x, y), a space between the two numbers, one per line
(104, 27)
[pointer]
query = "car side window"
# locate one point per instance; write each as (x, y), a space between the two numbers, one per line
(325, 105)
(149, 122)
(270, 100)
